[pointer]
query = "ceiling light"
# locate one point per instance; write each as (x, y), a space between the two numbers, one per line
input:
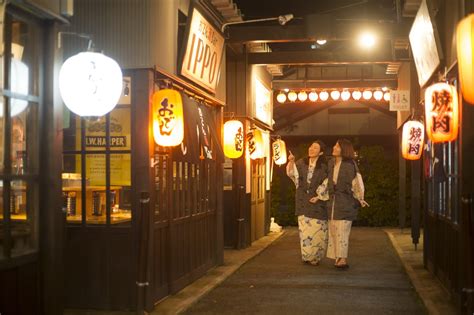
(345, 95)
(367, 95)
(324, 96)
(367, 40)
(292, 96)
(321, 42)
(335, 95)
(386, 96)
(378, 95)
(356, 95)
(313, 96)
(283, 19)
(385, 89)
(286, 90)
(302, 96)
(281, 98)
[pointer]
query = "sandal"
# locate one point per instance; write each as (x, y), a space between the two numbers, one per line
(314, 262)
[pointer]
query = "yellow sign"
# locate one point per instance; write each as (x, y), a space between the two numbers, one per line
(95, 140)
(203, 55)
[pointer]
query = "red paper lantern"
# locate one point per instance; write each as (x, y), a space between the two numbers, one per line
(413, 137)
(441, 112)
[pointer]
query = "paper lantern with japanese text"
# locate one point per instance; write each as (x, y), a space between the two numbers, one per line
(233, 139)
(90, 84)
(279, 152)
(465, 51)
(413, 137)
(441, 112)
(168, 120)
(255, 144)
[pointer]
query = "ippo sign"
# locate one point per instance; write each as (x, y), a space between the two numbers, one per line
(203, 53)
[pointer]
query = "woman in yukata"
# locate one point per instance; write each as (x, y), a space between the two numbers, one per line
(308, 174)
(346, 194)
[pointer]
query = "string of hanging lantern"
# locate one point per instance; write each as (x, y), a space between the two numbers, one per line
(293, 96)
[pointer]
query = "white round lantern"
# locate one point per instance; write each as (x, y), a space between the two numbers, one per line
(367, 95)
(335, 95)
(313, 96)
(18, 85)
(356, 95)
(378, 95)
(90, 84)
(345, 95)
(281, 97)
(323, 96)
(302, 96)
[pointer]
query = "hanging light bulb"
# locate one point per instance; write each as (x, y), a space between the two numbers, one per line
(345, 95)
(292, 96)
(386, 96)
(324, 96)
(335, 95)
(356, 95)
(281, 97)
(313, 96)
(378, 95)
(367, 95)
(302, 96)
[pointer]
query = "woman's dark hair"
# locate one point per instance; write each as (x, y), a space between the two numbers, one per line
(347, 150)
(322, 146)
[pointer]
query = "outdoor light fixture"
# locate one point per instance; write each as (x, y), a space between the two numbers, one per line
(321, 42)
(367, 40)
(441, 112)
(465, 48)
(386, 96)
(281, 97)
(233, 139)
(367, 95)
(313, 96)
(292, 96)
(279, 152)
(302, 96)
(18, 85)
(168, 121)
(90, 83)
(356, 95)
(413, 136)
(345, 95)
(378, 95)
(282, 20)
(335, 95)
(323, 96)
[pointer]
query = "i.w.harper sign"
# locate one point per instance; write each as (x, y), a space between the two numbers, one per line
(203, 54)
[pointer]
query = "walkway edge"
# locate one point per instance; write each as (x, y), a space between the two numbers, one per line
(233, 260)
(425, 294)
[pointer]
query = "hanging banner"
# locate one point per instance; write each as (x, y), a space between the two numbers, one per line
(204, 47)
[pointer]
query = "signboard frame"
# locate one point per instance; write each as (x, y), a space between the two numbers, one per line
(195, 7)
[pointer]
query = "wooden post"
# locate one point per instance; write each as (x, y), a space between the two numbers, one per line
(415, 201)
(402, 173)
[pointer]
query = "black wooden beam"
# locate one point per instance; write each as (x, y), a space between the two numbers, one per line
(319, 58)
(339, 84)
(298, 33)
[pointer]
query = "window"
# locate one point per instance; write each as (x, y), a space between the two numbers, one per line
(19, 137)
(97, 169)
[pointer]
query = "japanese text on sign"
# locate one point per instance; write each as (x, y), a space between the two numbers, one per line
(203, 53)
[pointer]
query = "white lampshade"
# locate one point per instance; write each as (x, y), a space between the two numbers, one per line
(335, 95)
(90, 84)
(356, 95)
(345, 95)
(386, 96)
(367, 95)
(313, 96)
(378, 95)
(19, 85)
(281, 98)
(324, 96)
(292, 96)
(302, 96)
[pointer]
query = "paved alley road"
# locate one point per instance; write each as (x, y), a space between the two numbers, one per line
(276, 282)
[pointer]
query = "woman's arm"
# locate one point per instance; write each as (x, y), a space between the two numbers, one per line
(358, 189)
(292, 172)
